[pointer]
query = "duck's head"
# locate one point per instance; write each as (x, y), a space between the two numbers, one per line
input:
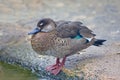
(44, 25)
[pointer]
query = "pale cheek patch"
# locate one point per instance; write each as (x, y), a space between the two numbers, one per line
(47, 28)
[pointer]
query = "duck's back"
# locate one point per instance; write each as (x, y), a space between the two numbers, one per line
(72, 29)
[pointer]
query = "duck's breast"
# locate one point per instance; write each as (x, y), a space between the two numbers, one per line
(41, 42)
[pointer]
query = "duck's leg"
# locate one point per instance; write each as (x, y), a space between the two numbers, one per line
(51, 67)
(58, 67)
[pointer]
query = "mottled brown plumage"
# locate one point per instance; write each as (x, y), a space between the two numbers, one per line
(60, 39)
(52, 45)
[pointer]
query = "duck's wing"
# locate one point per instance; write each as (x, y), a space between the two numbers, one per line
(68, 46)
(86, 32)
(72, 29)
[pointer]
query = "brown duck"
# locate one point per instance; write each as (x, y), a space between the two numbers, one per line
(61, 39)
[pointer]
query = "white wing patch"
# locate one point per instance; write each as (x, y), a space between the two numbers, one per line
(89, 39)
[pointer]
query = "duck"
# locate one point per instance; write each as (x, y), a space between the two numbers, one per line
(61, 39)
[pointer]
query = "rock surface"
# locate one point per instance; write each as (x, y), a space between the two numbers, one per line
(96, 63)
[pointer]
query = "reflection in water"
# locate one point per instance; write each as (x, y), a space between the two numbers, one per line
(14, 72)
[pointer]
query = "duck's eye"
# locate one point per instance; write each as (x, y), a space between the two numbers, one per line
(41, 24)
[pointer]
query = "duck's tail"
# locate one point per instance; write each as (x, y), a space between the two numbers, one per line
(98, 42)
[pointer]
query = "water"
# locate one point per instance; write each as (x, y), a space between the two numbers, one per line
(14, 72)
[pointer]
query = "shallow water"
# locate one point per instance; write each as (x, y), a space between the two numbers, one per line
(14, 72)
